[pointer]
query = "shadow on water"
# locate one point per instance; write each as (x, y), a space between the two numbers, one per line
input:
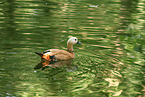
(131, 40)
(22, 18)
(53, 64)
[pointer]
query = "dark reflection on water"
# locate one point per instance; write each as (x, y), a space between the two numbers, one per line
(110, 61)
(53, 64)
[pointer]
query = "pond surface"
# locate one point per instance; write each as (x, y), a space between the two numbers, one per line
(109, 62)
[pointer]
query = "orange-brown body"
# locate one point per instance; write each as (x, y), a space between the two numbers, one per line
(62, 54)
(57, 54)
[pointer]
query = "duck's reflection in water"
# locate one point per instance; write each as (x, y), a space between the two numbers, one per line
(53, 64)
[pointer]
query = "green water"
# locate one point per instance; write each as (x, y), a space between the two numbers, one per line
(110, 61)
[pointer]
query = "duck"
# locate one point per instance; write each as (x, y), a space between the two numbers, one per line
(57, 54)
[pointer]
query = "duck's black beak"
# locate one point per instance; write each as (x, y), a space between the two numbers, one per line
(79, 42)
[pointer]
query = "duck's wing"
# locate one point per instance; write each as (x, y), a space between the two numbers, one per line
(61, 54)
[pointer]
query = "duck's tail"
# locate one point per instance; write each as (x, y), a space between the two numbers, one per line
(45, 56)
(40, 54)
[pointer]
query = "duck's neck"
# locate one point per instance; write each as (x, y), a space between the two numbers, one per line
(70, 47)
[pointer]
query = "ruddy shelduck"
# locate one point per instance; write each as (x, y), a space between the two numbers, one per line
(57, 54)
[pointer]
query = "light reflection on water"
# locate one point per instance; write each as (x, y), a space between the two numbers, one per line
(110, 61)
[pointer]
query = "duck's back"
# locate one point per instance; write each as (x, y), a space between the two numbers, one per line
(62, 54)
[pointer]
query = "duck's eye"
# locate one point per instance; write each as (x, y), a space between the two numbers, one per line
(75, 39)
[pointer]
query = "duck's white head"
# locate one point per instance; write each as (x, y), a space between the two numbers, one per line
(73, 40)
